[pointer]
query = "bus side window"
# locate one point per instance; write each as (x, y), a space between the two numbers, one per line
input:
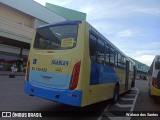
(120, 59)
(130, 66)
(93, 47)
(107, 55)
(100, 51)
(112, 57)
(124, 62)
(116, 59)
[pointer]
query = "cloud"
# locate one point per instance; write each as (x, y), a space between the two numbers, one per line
(151, 45)
(153, 11)
(145, 52)
(86, 9)
(126, 33)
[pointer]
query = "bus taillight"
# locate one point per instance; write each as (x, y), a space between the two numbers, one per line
(27, 71)
(75, 76)
(155, 82)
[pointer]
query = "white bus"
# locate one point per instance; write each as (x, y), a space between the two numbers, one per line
(154, 77)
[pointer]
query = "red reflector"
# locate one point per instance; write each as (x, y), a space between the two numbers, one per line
(155, 82)
(75, 76)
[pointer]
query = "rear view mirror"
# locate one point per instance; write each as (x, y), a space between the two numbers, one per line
(157, 64)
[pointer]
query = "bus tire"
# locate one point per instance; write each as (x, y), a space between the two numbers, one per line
(116, 94)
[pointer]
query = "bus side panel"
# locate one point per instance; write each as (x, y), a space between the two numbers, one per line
(97, 86)
(91, 93)
(98, 92)
(102, 82)
(131, 79)
(121, 74)
(155, 91)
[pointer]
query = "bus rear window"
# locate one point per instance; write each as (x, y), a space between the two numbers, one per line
(56, 37)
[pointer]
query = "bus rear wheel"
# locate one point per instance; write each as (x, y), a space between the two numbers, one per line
(116, 94)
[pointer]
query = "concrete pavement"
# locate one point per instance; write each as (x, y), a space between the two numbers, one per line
(7, 73)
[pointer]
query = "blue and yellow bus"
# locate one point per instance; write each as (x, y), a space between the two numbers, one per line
(72, 63)
(154, 77)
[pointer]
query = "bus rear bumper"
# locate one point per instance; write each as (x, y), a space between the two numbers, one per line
(155, 91)
(69, 97)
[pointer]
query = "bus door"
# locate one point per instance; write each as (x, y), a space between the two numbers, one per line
(127, 75)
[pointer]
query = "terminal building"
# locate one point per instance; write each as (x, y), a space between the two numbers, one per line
(142, 70)
(67, 13)
(18, 19)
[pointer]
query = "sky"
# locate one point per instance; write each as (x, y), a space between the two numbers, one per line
(132, 25)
